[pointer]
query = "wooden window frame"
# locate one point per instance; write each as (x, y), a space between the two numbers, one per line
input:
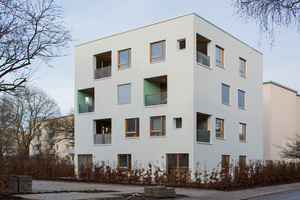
(128, 166)
(225, 166)
(119, 64)
(243, 72)
(135, 128)
(161, 127)
(242, 161)
(177, 161)
(221, 56)
(161, 51)
(221, 128)
(244, 132)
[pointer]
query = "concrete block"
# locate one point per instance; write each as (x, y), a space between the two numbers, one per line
(148, 191)
(13, 183)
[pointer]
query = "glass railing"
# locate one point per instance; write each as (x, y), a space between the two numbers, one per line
(71, 151)
(51, 151)
(37, 152)
(203, 135)
(51, 141)
(203, 59)
(155, 99)
(37, 142)
(103, 72)
(102, 138)
(83, 108)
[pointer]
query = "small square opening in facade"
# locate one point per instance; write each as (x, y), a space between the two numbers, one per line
(181, 44)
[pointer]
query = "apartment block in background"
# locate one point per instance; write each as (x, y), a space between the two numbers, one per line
(281, 117)
(48, 141)
(180, 92)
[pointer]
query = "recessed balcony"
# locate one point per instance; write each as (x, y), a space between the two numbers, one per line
(85, 99)
(155, 91)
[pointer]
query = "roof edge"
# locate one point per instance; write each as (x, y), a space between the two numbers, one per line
(283, 86)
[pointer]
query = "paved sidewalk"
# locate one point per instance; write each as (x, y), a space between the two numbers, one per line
(51, 186)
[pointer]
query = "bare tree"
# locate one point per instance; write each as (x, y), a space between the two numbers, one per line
(291, 148)
(63, 127)
(270, 14)
(6, 141)
(31, 109)
(29, 29)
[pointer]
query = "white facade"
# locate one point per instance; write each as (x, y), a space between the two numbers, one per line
(192, 88)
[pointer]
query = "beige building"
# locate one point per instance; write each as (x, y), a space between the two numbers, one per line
(48, 141)
(281, 117)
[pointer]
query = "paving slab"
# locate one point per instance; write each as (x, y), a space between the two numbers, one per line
(190, 193)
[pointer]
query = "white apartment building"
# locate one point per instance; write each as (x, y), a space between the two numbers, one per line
(177, 93)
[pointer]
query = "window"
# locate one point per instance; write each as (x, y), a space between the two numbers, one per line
(124, 93)
(124, 58)
(158, 126)
(85, 161)
(242, 132)
(157, 51)
(225, 94)
(219, 56)
(103, 131)
(225, 163)
(242, 67)
(219, 128)
(132, 127)
(241, 99)
(181, 44)
(124, 162)
(177, 163)
(178, 122)
(242, 161)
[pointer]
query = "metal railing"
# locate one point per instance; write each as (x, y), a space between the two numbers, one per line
(83, 108)
(102, 138)
(103, 72)
(37, 142)
(156, 99)
(71, 151)
(203, 135)
(203, 59)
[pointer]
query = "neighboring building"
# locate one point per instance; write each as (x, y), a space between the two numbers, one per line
(177, 93)
(281, 117)
(59, 145)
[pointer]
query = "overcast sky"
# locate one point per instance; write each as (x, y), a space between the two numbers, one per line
(94, 19)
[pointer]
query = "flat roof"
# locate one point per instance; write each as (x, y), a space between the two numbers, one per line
(283, 86)
(166, 21)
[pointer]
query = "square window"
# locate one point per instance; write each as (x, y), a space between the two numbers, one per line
(242, 67)
(241, 99)
(124, 93)
(242, 132)
(225, 94)
(181, 44)
(124, 162)
(177, 122)
(219, 56)
(177, 163)
(219, 128)
(124, 58)
(158, 126)
(132, 127)
(157, 51)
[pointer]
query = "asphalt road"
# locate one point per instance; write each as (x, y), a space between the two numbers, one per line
(285, 196)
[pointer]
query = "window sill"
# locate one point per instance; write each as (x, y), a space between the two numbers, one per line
(158, 61)
(132, 138)
(226, 104)
(243, 76)
(158, 105)
(205, 66)
(100, 79)
(120, 69)
(242, 108)
(220, 138)
(86, 113)
(243, 141)
(102, 144)
(207, 143)
(159, 136)
(123, 103)
(221, 67)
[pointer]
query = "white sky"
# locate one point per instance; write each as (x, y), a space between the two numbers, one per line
(93, 19)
